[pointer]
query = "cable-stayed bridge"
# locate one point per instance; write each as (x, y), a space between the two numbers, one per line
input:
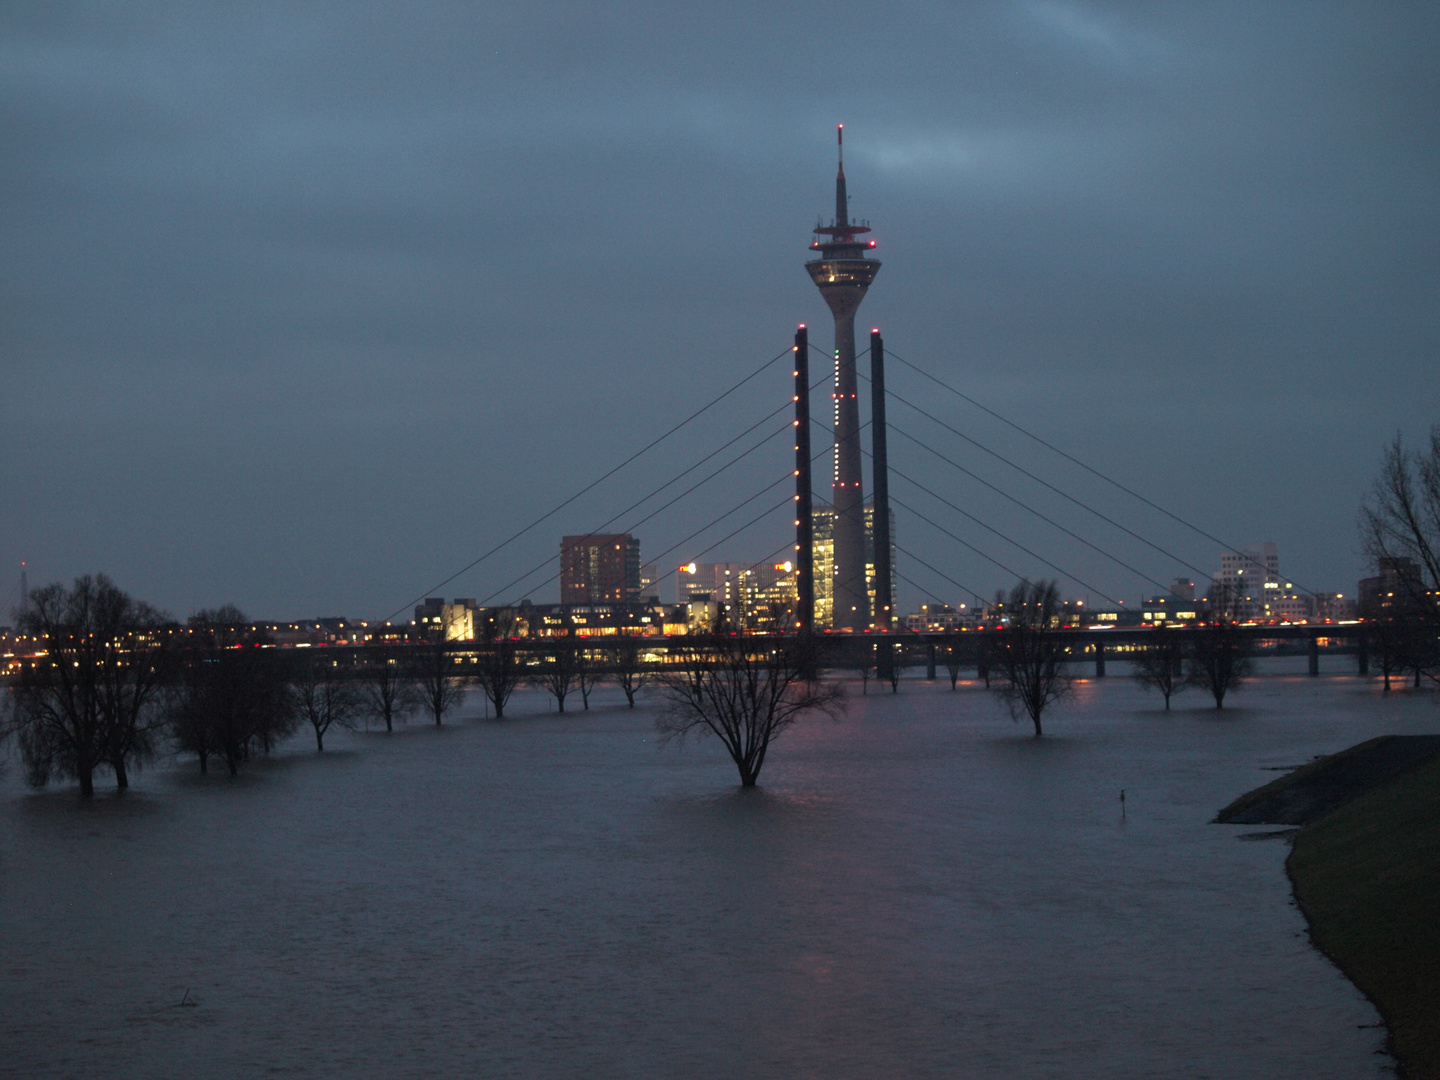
(927, 420)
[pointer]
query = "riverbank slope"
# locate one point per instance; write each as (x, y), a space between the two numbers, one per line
(1367, 877)
(1365, 868)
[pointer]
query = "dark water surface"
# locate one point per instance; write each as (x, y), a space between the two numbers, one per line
(918, 890)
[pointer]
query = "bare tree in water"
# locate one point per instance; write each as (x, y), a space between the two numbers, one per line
(386, 686)
(1218, 660)
(230, 695)
(93, 700)
(439, 679)
(745, 693)
(953, 664)
(558, 670)
(1029, 651)
(588, 672)
(865, 666)
(324, 695)
(1160, 662)
(1396, 635)
(628, 664)
(892, 663)
(500, 671)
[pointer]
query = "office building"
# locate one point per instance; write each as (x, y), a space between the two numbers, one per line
(599, 568)
(448, 622)
(824, 521)
(1258, 593)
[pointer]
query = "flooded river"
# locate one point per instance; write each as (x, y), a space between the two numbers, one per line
(917, 890)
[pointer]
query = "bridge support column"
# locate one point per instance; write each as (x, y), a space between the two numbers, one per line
(804, 525)
(1314, 650)
(1362, 652)
(982, 663)
(1099, 659)
(884, 614)
(930, 661)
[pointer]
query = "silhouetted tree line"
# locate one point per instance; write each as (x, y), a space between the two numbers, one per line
(1031, 653)
(118, 681)
(94, 700)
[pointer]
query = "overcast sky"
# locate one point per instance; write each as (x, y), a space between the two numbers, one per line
(306, 306)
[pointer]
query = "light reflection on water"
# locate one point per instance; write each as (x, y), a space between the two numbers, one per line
(917, 890)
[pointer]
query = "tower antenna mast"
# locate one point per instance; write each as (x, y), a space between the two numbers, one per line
(842, 273)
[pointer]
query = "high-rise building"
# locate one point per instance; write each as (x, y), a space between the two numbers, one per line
(599, 568)
(1250, 571)
(1258, 593)
(768, 595)
(754, 596)
(843, 275)
(1398, 587)
(823, 529)
(650, 578)
(715, 581)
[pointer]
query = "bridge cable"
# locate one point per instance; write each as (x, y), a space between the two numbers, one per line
(1088, 468)
(995, 454)
(645, 498)
(595, 483)
(1024, 506)
(708, 525)
(1046, 484)
(814, 458)
(983, 525)
(789, 498)
(1064, 573)
(959, 585)
(658, 510)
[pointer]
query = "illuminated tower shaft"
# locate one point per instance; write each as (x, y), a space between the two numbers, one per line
(843, 274)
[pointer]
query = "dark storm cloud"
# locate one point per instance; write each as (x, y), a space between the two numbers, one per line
(305, 306)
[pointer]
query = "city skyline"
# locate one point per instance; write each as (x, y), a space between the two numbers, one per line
(298, 341)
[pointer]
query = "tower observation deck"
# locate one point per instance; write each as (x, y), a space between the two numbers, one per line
(843, 274)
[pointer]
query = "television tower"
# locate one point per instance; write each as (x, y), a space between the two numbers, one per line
(843, 274)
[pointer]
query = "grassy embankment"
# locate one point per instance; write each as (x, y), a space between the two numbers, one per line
(1367, 877)
(1365, 867)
